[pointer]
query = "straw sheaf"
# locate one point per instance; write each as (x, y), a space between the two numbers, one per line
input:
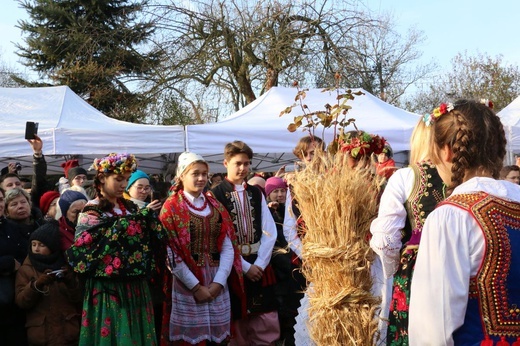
(338, 204)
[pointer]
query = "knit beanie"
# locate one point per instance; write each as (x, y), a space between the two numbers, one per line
(48, 234)
(46, 200)
(67, 198)
(274, 183)
(138, 174)
(76, 171)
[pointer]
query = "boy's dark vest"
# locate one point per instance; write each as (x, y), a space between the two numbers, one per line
(223, 192)
(493, 311)
(260, 295)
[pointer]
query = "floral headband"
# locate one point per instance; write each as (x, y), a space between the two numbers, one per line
(437, 112)
(115, 163)
(363, 145)
(446, 108)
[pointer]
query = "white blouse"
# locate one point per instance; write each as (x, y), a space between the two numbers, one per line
(391, 219)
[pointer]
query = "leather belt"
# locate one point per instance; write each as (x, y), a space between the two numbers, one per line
(249, 249)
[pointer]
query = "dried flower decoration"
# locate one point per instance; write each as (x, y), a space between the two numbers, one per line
(115, 163)
(487, 102)
(362, 145)
(444, 108)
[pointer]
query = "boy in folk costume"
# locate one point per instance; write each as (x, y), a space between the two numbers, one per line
(256, 233)
(202, 239)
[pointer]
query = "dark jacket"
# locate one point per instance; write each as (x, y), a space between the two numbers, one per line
(53, 318)
(13, 246)
(39, 180)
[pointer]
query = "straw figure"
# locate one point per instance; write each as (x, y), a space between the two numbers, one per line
(338, 204)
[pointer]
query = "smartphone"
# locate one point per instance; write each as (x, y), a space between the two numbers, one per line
(31, 129)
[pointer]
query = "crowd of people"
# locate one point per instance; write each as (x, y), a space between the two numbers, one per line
(218, 260)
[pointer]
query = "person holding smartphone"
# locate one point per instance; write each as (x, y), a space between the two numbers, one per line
(12, 180)
(49, 291)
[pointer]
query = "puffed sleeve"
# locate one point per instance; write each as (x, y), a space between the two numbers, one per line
(391, 218)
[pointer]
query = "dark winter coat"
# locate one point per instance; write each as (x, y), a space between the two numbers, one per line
(52, 318)
(13, 246)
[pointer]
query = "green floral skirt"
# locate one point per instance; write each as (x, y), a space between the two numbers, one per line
(117, 313)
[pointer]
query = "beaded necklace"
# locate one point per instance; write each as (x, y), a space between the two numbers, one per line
(121, 206)
(185, 199)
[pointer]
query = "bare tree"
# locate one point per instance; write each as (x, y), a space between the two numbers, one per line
(6, 73)
(242, 48)
(474, 77)
(382, 61)
(232, 51)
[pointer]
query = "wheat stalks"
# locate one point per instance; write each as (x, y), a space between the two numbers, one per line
(337, 204)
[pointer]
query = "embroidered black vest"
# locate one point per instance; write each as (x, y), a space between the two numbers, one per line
(427, 192)
(226, 194)
(204, 232)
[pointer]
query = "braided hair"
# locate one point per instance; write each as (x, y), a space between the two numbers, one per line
(476, 137)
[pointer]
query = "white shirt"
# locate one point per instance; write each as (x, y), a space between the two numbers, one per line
(268, 238)
(452, 248)
(386, 228)
(290, 227)
(181, 270)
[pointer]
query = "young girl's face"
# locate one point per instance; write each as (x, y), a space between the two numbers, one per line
(278, 195)
(39, 248)
(114, 185)
(19, 208)
(195, 179)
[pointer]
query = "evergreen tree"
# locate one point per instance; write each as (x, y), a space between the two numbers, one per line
(93, 47)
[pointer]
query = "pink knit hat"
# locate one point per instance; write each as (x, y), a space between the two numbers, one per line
(274, 183)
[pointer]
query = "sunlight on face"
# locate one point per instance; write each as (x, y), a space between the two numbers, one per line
(195, 178)
(237, 168)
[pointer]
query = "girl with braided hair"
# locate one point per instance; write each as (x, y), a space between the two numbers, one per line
(465, 285)
(410, 195)
(115, 249)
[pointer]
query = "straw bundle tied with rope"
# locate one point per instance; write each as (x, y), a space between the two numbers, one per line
(337, 204)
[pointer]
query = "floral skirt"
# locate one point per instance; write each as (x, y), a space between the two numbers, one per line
(398, 318)
(117, 313)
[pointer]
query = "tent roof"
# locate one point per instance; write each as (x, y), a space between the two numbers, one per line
(510, 115)
(70, 126)
(260, 125)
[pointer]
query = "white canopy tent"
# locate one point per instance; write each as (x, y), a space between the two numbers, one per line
(510, 117)
(69, 126)
(260, 125)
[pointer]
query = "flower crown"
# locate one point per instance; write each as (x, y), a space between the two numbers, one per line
(364, 144)
(446, 108)
(437, 113)
(115, 163)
